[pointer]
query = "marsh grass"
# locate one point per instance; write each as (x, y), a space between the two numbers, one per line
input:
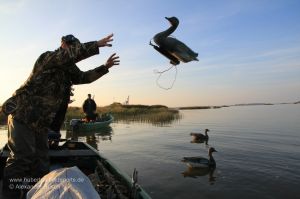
(155, 114)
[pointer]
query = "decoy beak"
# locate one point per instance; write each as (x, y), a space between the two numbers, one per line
(168, 18)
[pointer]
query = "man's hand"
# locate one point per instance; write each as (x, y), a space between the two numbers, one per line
(112, 60)
(104, 42)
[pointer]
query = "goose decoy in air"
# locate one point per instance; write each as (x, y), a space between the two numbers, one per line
(201, 161)
(171, 47)
(200, 136)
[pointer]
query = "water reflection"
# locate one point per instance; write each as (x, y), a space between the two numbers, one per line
(194, 141)
(93, 138)
(194, 172)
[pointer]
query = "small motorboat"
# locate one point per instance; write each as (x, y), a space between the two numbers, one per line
(106, 177)
(80, 125)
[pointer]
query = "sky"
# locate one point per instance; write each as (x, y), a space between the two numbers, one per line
(249, 51)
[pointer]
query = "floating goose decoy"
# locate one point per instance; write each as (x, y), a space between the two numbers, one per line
(172, 48)
(200, 136)
(201, 161)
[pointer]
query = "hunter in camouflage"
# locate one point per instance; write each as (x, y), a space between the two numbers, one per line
(40, 100)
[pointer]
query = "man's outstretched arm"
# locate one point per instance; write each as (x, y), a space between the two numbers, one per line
(80, 77)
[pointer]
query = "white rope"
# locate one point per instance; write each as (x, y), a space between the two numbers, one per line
(161, 72)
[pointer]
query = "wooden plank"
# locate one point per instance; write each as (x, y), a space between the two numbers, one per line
(65, 153)
(71, 153)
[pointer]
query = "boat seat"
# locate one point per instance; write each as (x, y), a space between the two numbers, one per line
(71, 153)
(64, 153)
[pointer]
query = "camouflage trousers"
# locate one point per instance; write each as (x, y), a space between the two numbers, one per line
(28, 159)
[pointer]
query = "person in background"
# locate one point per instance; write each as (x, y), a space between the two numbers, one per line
(41, 103)
(89, 108)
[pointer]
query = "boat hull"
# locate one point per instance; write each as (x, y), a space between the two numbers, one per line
(88, 160)
(79, 126)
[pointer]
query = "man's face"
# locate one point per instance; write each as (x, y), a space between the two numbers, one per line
(64, 45)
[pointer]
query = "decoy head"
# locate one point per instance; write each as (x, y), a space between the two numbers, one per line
(211, 149)
(173, 21)
(206, 130)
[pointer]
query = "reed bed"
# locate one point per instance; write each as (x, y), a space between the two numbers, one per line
(155, 114)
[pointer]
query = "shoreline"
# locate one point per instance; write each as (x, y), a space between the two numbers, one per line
(134, 111)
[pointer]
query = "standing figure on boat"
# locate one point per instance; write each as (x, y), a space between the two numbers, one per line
(35, 106)
(89, 108)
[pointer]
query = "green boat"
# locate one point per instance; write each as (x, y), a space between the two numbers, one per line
(81, 126)
(107, 179)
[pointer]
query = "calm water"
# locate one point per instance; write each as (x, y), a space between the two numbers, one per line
(258, 153)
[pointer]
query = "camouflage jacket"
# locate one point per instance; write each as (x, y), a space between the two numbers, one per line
(49, 84)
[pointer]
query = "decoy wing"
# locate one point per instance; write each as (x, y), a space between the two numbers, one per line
(198, 136)
(179, 50)
(167, 54)
(197, 160)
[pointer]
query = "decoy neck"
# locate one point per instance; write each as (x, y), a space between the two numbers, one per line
(212, 162)
(174, 24)
(206, 130)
